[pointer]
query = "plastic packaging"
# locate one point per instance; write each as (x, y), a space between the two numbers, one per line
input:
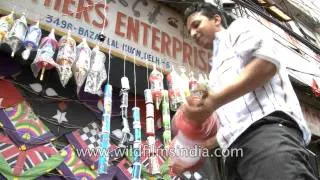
(105, 130)
(44, 59)
(193, 83)
(156, 86)
(97, 73)
(184, 83)
(32, 40)
(82, 63)
(166, 120)
(17, 34)
(66, 57)
(126, 134)
(176, 94)
(136, 169)
(5, 26)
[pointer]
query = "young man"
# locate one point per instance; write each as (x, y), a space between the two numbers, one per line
(251, 93)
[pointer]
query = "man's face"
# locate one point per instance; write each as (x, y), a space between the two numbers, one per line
(202, 29)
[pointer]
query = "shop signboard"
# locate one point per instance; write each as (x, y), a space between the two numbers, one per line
(150, 29)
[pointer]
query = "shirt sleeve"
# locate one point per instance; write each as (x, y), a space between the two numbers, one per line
(250, 39)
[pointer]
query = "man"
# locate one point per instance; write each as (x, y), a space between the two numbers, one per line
(251, 93)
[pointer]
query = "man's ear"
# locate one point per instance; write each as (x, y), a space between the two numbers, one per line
(217, 20)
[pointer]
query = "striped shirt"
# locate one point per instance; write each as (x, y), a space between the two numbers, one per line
(233, 49)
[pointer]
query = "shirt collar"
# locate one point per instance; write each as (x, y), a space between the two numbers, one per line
(219, 36)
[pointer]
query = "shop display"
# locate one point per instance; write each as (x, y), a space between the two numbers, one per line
(88, 67)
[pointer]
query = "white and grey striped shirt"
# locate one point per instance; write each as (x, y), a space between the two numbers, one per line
(233, 49)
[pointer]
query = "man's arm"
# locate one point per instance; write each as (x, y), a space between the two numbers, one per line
(255, 74)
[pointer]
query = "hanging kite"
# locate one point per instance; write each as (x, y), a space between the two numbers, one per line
(19, 121)
(26, 164)
(89, 138)
(73, 167)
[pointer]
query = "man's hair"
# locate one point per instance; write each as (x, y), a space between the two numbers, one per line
(205, 9)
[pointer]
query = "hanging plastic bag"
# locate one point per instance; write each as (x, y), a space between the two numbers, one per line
(5, 26)
(97, 73)
(44, 58)
(66, 57)
(176, 95)
(82, 63)
(184, 83)
(17, 34)
(32, 40)
(156, 85)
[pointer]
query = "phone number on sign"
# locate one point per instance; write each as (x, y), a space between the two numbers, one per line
(69, 26)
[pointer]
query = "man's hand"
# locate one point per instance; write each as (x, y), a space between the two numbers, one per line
(177, 168)
(209, 143)
(199, 110)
